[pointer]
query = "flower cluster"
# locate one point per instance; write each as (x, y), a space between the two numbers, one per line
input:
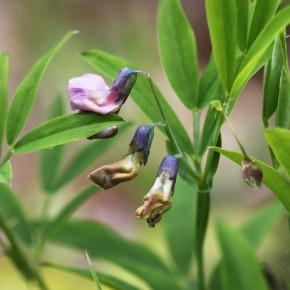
(91, 93)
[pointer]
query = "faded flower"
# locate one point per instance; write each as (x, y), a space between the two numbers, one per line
(158, 200)
(128, 167)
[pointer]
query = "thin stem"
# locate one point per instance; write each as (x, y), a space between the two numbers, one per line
(6, 158)
(196, 124)
(236, 136)
(168, 128)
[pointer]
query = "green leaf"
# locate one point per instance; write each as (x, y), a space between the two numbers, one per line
(272, 178)
(6, 173)
(272, 79)
(25, 94)
(264, 10)
(242, 23)
(68, 210)
(105, 279)
(209, 85)
(102, 242)
(50, 159)
(242, 269)
(258, 49)
(279, 140)
(65, 129)
(4, 75)
(109, 65)
(179, 225)
(222, 22)
(12, 212)
(85, 157)
(93, 272)
(283, 109)
(177, 47)
(259, 225)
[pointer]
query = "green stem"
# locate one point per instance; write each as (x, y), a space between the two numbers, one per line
(168, 128)
(196, 124)
(22, 256)
(6, 158)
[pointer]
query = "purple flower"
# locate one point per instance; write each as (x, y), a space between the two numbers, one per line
(158, 200)
(128, 167)
(90, 92)
(252, 173)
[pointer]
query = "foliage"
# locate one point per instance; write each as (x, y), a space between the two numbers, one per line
(245, 37)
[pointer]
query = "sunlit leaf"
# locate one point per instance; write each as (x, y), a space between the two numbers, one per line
(222, 22)
(272, 178)
(102, 242)
(279, 141)
(4, 74)
(109, 65)
(65, 129)
(178, 51)
(242, 269)
(25, 94)
(264, 10)
(50, 159)
(259, 47)
(180, 223)
(13, 214)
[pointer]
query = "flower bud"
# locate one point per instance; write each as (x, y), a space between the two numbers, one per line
(158, 200)
(252, 173)
(106, 133)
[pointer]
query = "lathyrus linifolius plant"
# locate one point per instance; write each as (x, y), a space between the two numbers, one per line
(246, 36)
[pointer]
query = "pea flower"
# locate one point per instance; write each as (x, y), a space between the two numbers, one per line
(158, 200)
(90, 92)
(128, 167)
(252, 173)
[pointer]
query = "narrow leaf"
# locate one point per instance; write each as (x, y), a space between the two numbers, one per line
(65, 129)
(279, 140)
(257, 227)
(178, 51)
(105, 279)
(264, 10)
(13, 214)
(109, 65)
(209, 85)
(242, 269)
(259, 47)
(272, 178)
(6, 173)
(283, 109)
(85, 157)
(272, 78)
(25, 94)
(4, 74)
(102, 242)
(222, 22)
(242, 23)
(93, 272)
(179, 225)
(50, 159)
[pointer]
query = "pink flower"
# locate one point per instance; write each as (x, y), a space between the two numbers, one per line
(90, 92)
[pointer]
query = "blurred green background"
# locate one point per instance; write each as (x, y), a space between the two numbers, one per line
(126, 28)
